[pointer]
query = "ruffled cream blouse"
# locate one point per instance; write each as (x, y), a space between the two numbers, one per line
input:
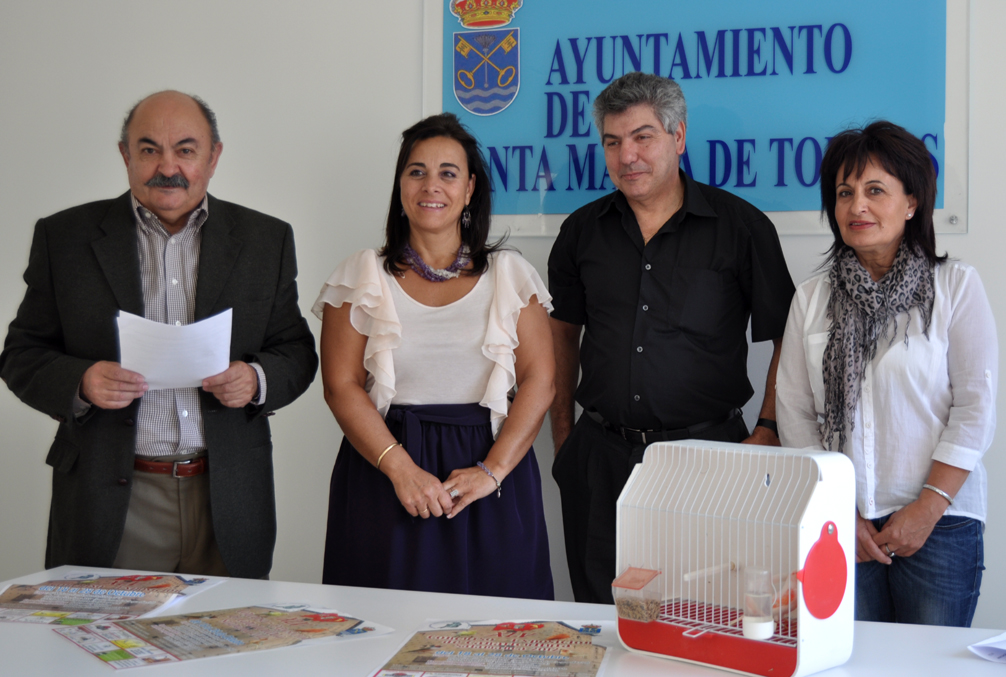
(362, 281)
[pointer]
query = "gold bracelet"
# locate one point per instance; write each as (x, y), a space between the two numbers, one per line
(390, 447)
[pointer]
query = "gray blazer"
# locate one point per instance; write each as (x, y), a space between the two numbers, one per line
(83, 268)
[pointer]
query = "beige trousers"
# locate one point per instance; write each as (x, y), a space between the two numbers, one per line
(169, 527)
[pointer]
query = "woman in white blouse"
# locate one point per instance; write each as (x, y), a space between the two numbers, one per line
(423, 342)
(891, 357)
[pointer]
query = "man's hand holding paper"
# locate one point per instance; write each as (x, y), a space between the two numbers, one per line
(109, 386)
(235, 387)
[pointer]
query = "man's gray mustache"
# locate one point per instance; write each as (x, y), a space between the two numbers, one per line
(162, 181)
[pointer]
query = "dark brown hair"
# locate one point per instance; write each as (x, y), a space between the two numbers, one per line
(396, 232)
(900, 154)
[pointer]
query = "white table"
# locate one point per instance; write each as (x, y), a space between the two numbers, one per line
(884, 650)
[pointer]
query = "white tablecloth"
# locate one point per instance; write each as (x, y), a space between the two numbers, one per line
(883, 650)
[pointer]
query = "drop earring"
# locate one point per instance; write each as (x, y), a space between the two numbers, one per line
(466, 218)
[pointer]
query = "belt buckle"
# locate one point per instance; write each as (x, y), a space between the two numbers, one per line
(174, 468)
(641, 433)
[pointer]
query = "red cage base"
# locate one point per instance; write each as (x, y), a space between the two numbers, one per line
(712, 635)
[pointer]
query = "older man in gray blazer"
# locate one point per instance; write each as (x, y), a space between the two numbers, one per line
(167, 480)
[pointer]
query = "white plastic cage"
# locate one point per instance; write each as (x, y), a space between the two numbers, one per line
(755, 547)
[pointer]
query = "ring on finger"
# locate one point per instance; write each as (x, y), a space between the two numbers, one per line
(424, 510)
(454, 493)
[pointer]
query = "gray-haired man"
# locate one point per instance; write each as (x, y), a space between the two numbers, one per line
(661, 277)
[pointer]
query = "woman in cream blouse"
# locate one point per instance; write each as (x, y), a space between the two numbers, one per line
(423, 342)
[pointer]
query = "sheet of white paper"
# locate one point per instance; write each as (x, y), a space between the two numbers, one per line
(992, 649)
(170, 356)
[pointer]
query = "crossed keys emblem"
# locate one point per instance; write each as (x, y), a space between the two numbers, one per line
(504, 75)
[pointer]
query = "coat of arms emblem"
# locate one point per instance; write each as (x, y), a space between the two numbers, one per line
(486, 59)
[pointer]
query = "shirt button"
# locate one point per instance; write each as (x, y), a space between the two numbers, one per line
(871, 501)
(645, 307)
(636, 398)
(185, 413)
(173, 281)
(178, 323)
(869, 465)
(639, 349)
(647, 266)
(868, 425)
(172, 240)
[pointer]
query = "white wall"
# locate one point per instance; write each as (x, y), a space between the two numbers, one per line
(311, 97)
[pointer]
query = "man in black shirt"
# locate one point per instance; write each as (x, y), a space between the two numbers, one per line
(662, 277)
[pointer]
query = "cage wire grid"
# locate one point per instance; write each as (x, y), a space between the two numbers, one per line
(702, 516)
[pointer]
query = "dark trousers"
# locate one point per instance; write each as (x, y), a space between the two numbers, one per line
(591, 468)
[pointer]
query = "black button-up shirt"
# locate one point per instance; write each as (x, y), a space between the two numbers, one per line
(665, 341)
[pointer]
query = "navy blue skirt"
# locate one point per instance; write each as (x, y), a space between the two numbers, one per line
(495, 546)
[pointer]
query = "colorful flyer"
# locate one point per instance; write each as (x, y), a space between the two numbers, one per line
(86, 599)
(169, 639)
(185, 585)
(526, 648)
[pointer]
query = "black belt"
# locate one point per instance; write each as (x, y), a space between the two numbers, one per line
(648, 436)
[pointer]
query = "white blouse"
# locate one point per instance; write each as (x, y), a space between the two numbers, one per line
(453, 354)
(440, 357)
(929, 400)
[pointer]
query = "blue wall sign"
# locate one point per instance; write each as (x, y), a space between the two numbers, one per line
(767, 85)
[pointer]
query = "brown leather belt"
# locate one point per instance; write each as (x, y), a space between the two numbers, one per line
(176, 469)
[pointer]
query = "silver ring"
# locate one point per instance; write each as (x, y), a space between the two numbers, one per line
(455, 493)
(424, 510)
(890, 553)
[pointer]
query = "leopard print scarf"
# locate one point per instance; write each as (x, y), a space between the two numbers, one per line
(861, 312)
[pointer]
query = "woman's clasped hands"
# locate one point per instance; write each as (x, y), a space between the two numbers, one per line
(901, 536)
(423, 495)
(467, 485)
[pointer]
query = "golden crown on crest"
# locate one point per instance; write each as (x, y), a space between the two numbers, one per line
(485, 13)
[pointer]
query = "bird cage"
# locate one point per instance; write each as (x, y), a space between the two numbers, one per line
(738, 557)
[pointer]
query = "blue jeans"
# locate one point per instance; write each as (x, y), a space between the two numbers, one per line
(938, 585)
